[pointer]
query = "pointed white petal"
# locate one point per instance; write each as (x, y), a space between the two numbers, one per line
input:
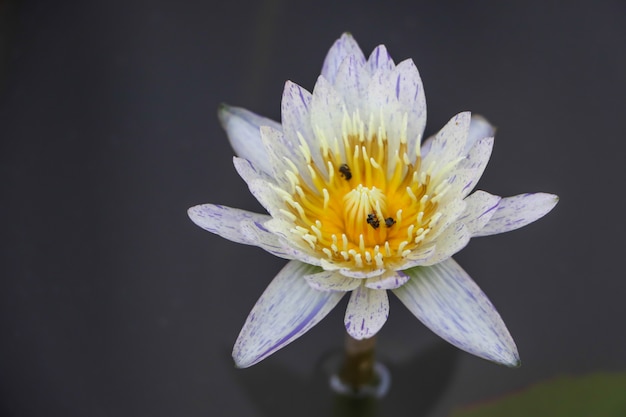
(452, 240)
(248, 172)
(342, 48)
(327, 112)
(479, 129)
(242, 127)
(448, 145)
(446, 300)
(295, 114)
(469, 170)
(331, 281)
(389, 281)
(224, 221)
(367, 312)
(256, 232)
(351, 83)
(278, 148)
(518, 211)
(380, 60)
(292, 244)
(481, 206)
(288, 308)
(410, 93)
(265, 193)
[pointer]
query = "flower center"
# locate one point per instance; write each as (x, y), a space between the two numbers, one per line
(369, 204)
(362, 202)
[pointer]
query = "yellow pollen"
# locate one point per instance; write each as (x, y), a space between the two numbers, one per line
(367, 206)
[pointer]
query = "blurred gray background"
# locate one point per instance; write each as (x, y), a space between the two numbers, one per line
(112, 303)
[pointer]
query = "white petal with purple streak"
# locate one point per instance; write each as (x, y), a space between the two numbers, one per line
(518, 211)
(288, 308)
(447, 301)
(341, 49)
(367, 312)
(242, 127)
(225, 221)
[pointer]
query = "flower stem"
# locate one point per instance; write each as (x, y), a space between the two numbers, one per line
(357, 370)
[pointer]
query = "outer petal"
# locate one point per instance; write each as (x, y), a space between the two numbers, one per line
(225, 221)
(518, 211)
(446, 300)
(295, 113)
(479, 129)
(410, 93)
(448, 145)
(288, 308)
(256, 232)
(242, 127)
(367, 312)
(380, 60)
(342, 48)
(469, 170)
(331, 281)
(278, 149)
(480, 208)
(248, 172)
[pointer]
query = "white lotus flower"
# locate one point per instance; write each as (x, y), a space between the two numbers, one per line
(358, 205)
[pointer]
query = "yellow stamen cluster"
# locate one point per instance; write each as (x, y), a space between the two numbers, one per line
(362, 205)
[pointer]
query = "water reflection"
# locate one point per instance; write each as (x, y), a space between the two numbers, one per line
(417, 384)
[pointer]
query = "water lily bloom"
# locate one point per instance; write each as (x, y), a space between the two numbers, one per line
(358, 204)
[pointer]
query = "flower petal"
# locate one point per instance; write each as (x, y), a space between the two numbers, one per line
(481, 206)
(256, 232)
(225, 221)
(288, 308)
(327, 115)
(410, 93)
(367, 312)
(380, 60)
(248, 172)
(266, 194)
(468, 171)
(331, 281)
(343, 47)
(242, 127)
(479, 129)
(351, 83)
(295, 115)
(389, 281)
(452, 240)
(279, 148)
(518, 211)
(448, 145)
(447, 301)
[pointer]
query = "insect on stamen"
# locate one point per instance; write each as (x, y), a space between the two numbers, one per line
(345, 172)
(373, 221)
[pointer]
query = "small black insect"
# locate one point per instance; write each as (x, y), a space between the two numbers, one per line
(373, 221)
(344, 170)
(389, 221)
